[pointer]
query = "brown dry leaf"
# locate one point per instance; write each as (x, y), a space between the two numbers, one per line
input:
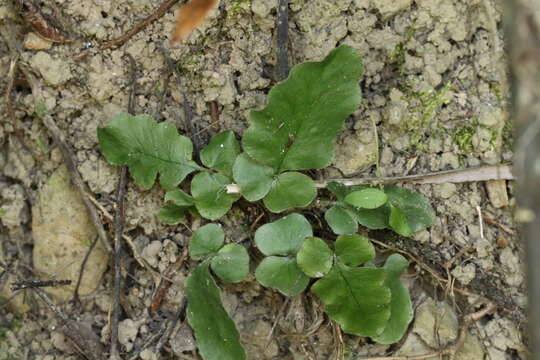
(42, 25)
(189, 17)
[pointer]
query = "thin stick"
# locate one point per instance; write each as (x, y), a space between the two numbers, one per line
(282, 40)
(480, 222)
(119, 229)
(482, 173)
(140, 26)
(75, 298)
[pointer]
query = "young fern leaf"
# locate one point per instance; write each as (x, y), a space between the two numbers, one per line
(297, 129)
(216, 333)
(148, 149)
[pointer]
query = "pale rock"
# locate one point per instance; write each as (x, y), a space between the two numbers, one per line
(127, 333)
(182, 340)
(446, 190)
(151, 251)
(54, 71)
(490, 116)
(413, 346)
(388, 8)
(353, 156)
(511, 266)
(13, 208)
(18, 301)
(498, 196)
(148, 354)
(63, 232)
(464, 274)
(20, 162)
(436, 322)
(472, 349)
(32, 41)
(262, 8)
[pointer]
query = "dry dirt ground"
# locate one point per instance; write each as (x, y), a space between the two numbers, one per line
(435, 98)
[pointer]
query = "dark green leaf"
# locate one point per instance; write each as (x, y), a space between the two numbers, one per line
(356, 298)
(284, 236)
(418, 212)
(340, 220)
(206, 241)
(401, 312)
(354, 249)
(179, 198)
(283, 274)
(147, 148)
(254, 179)
(338, 189)
(172, 214)
(231, 263)
(290, 190)
(398, 222)
(215, 332)
(221, 152)
(297, 129)
(210, 194)
(369, 198)
(315, 257)
(372, 218)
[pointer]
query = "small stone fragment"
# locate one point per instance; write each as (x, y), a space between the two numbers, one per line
(127, 333)
(34, 42)
(498, 196)
(436, 323)
(150, 253)
(54, 71)
(472, 349)
(182, 341)
(387, 8)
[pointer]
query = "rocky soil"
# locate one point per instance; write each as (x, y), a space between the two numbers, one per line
(435, 98)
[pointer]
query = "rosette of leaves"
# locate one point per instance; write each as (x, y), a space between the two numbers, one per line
(215, 332)
(394, 207)
(297, 130)
(209, 197)
(365, 301)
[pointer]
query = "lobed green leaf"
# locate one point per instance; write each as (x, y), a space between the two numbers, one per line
(255, 180)
(206, 241)
(290, 190)
(231, 264)
(418, 212)
(148, 148)
(210, 195)
(284, 236)
(369, 198)
(221, 152)
(356, 298)
(315, 258)
(354, 249)
(172, 214)
(340, 220)
(282, 274)
(401, 312)
(297, 129)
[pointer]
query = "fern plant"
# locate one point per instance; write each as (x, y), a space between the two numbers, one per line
(296, 131)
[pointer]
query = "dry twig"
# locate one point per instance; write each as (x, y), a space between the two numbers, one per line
(119, 228)
(165, 6)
